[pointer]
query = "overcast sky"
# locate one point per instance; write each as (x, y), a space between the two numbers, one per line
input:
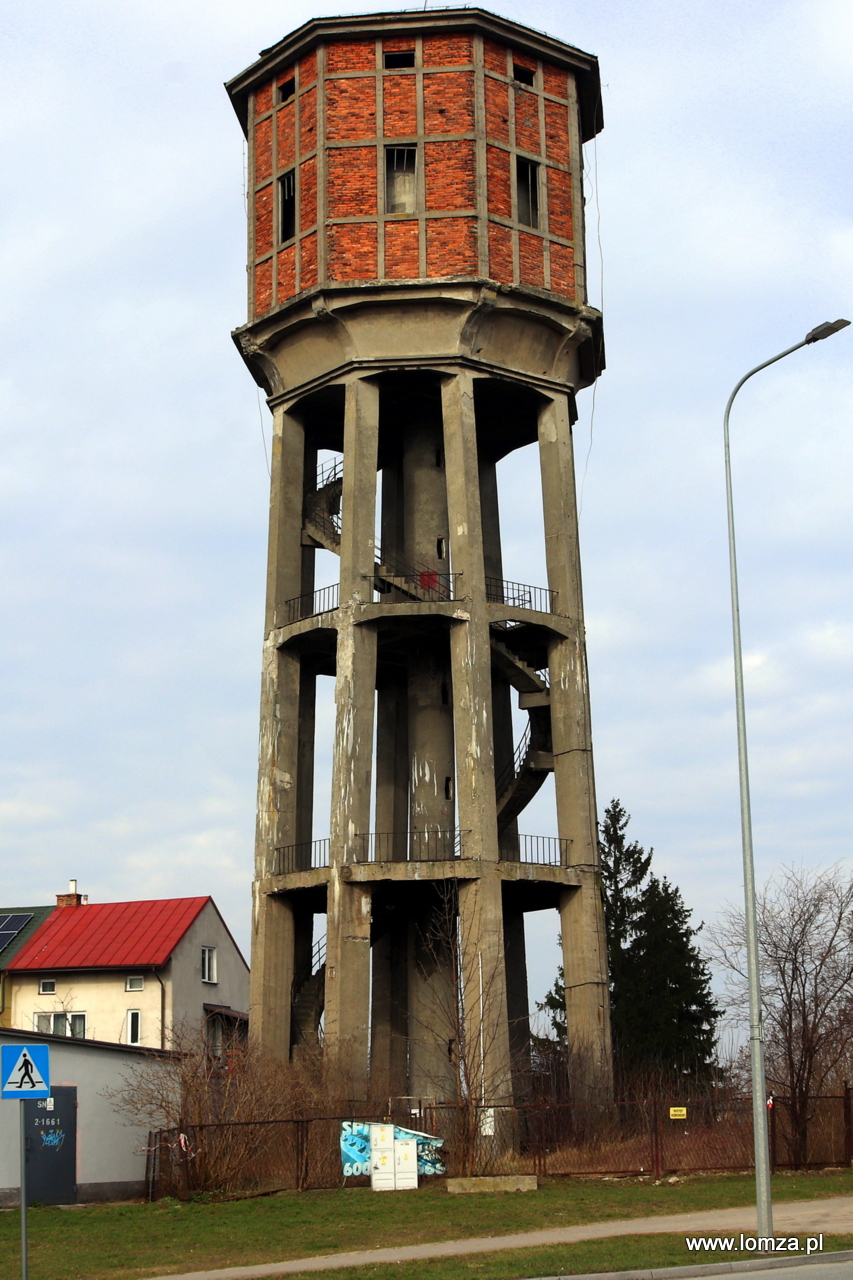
(133, 481)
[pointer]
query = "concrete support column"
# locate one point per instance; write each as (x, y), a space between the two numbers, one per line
(433, 1008)
(392, 770)
(581, 910)
(346, 1023)
(470, 650)
(389, 1010)
(486, 1027)
(517, 1000)
(430, 717)
(272, 972)
(285, 577)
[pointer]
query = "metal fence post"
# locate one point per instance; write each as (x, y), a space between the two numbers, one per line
(847, 1106)
(772, 1108)
(656, 1140)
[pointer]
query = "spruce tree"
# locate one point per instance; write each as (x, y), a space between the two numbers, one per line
(663, 1015)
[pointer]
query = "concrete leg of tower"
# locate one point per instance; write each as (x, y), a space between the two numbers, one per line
(279, 769)
(433, 1005)
(347, 1003)
(392, 771)
(581, 910)
(517, 999)
(486, 1030)
(389, 1014)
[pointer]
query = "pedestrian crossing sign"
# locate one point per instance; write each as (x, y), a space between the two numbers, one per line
(25, 1071)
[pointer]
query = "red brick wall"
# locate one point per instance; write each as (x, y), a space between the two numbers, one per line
(263, 220)
(500, 252)
(531, 264)
(308, 122)
(351, 181)
(287, 136)
(494, 57)
(287, 272)
(526, 120)
(308, 260)
(447, 51)
(559, 203)
(308, 193)
(498, 181)
(353, 251)
(497, 110)
(263, 150)
(350, 109)
(449, 169)
(351, 55)
(554, 81)
(556, 131)
(401, 250)
(400, 118)
(449, 102)
(352, 174)
(451, 246)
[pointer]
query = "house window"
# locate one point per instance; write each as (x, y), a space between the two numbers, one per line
(208, 964)
(134, 982)
(62, 1024)
(523, 74)
(134, 1026)
(287, 205)
(527, 191)
(286, 89)
(400, 58)
(400, 179)
(47, 986)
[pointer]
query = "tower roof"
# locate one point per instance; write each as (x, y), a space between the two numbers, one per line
(525, 39)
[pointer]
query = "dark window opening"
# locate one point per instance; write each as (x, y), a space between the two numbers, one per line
(439, 548)
(527, 191)
(401, 58)
(448, 788)
(400, 179)
(287, 196)
(523, 74)
(286, 89)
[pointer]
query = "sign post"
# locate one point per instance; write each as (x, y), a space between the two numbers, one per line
(25, 1073)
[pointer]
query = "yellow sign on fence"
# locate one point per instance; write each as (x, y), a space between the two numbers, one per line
(678, 1113)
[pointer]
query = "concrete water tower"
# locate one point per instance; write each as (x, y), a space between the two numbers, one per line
(418, 311)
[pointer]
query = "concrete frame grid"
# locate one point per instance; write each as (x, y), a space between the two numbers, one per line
(428, 384)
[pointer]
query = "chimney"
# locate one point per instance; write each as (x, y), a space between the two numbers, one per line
(70, 899)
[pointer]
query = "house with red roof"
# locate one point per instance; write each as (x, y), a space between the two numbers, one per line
(128, 972)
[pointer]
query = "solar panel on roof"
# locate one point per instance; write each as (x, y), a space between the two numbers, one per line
(11, 926)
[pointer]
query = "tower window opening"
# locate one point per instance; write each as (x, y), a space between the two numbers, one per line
(439, 548)
(286, 89)
(523, 74)
(399, 58)
(527, 191)
(400, 179)
(448, 788)
(287, 197)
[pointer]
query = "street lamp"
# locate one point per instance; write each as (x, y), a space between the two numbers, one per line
(763, 1199)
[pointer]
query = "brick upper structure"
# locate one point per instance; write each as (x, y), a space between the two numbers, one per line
(322, 109)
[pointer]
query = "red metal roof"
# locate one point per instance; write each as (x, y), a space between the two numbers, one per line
(110, 935)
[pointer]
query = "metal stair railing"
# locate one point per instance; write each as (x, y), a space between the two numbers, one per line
(311, 605)
(519, 595)
(301, 857)
(510, 772)
(329, 471)
(543, 851)
(421, 846)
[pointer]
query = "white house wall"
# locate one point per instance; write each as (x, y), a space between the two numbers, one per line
(110, 1152)
(189, 993)
(101, 996)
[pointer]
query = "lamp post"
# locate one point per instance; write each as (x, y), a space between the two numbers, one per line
(763, 1198)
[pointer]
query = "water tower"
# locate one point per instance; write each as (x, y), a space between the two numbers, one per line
(418, 311)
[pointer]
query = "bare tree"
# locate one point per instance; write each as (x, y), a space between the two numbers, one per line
(805, 939)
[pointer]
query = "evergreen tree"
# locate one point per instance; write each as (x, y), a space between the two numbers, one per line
(666, 1014)
(663, 1015)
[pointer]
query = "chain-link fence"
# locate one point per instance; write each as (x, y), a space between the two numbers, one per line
(654, 1137)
